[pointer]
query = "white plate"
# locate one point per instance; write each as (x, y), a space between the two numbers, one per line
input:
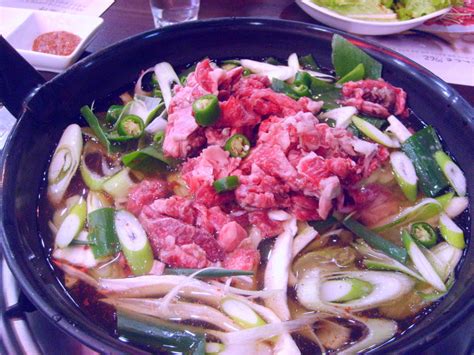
(362, 27)
(37, 22)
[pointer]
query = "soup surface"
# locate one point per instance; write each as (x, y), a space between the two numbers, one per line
(256, 206)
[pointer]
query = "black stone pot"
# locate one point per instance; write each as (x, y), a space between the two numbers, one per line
(45, 109)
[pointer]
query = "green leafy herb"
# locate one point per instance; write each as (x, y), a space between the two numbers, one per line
(421, 148)
(148, 159)
(94, 124)
(102, 235)
(346, 56)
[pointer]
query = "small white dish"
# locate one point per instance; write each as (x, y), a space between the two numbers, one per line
(362, 27)
(39, 22)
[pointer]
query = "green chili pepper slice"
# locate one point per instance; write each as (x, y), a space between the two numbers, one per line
(159, 137)
(130, 126)
(302, 78)
(301, 90)
(424, 234)
(293, 91)
(113, 113)
(238, 146)
(226, 184)
(206, 110)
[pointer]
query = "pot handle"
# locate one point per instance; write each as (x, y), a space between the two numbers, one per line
(17, 78)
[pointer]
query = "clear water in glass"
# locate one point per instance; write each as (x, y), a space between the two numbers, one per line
(168, 12)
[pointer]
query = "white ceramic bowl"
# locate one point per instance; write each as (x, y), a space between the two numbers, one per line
(362, 27)
(38, 22)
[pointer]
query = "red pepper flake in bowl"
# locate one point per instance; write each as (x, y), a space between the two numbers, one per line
(57, 42)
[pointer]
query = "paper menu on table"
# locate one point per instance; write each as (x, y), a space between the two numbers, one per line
(446, 45)
(83, 7)
(449, 57)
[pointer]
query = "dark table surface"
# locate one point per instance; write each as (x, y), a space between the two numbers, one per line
(128, 17)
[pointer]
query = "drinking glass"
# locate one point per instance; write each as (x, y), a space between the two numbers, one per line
(167, 12)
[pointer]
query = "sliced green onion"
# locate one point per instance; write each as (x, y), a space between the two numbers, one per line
(374, 133)
(344, 290)
(421, 262)
(278, 269)
(293, 62)
(272, 71)
(118, 185)
(72, 224)
(102, 234)
(342, 116)
(356, 74)
(94, 124)
(80, 242)
(134, 242)
(379, 331)
(208, 273)
(158, 334)
(214, 348)
(387, 266)
(64, 163)
(376, 241)
(379, 123)
(159, 124)
(150, 108)
(325, 258)
(451, 232)
(422, 211)
(241, 313)
(424, 234)
(78, 252)
(375, 260)
(206, 110)
(364, 147)
(405, 174)
(238, 146)
(386, 287)
(445, 199)
(449, 256)
(96, 200)
(420, 148)
(228, 183)
(113, 113)
(452, 172)
(93, 180)
(166, 77)
(456, 206)
(398, 129)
